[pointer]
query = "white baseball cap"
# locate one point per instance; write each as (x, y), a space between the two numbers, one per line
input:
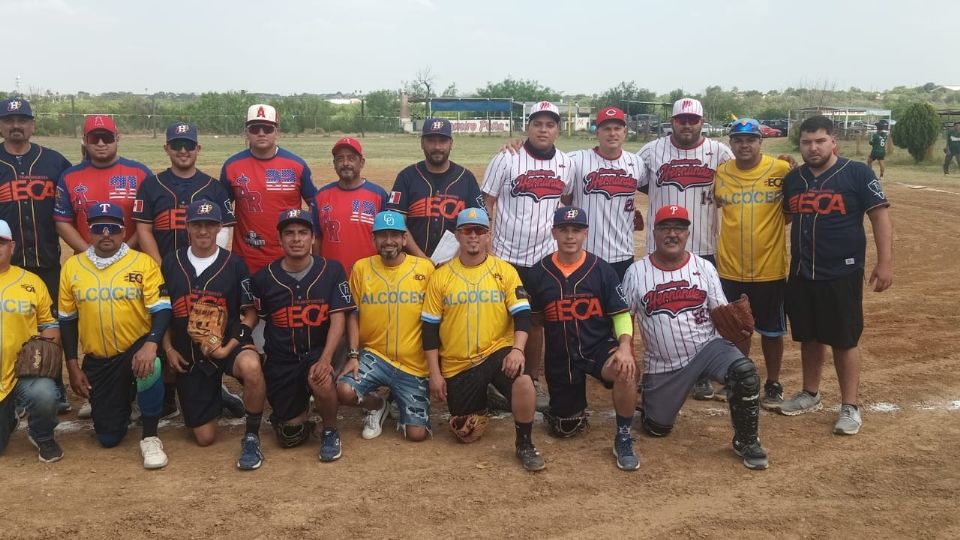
(545, 107)
(5, 232)
(262, 113)
(687, 106)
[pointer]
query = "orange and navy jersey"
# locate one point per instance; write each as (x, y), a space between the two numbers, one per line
(28, 186)
(85, 184)
(260, 190)
(162, 201)
(345, 221)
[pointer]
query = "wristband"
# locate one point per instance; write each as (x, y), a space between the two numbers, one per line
(353, 353)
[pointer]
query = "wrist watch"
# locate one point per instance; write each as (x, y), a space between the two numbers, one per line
(353, 353)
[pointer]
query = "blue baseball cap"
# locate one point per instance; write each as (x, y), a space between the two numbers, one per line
(204, 210)
(15, 107)
(473, 216)
(182, 130)
(437, 126)
(101, 210)
(295, 215)
(389, 220)
(745, 126)
(570, 215)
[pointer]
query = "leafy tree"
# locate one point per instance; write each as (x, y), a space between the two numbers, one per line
(382, 103)
(519, 90)
(622, 94)
(917, 130)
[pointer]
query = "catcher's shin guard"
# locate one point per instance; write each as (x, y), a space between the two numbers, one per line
(652, 428)
(566, 427)
(743, 384)
(290, 435)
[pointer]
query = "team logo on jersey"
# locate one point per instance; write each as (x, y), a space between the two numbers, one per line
(610, 183)
(875, 188)
(250, 199)
(27, 188)
(419, 277)
(344, 289)
(183, 305)
(28, 287)
(311, 314)
(281, 180)
(673, 298)
(685, 173)
(252, 239)
(174, 219)
(573, 309)
(817, 202)
(363, 212)
(621, 294)
(437, 206)
(521, 293)
(133, 277)
(122, 187)
(538, 184)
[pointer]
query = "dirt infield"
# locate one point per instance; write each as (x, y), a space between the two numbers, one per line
(898, 478)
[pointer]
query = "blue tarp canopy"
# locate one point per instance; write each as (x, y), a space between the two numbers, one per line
(472, 104)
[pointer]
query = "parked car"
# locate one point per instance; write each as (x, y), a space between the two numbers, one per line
(708, 130)
(779, 124)
(767, 131)
(666, 128)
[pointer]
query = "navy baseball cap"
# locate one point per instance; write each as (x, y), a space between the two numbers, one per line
(295, 215)
(745, 126)
(473, 216)
(107, 210)
(182, 130)
(570, 215)
(15, 107)
(437, 126)
(389, 220)
(204, 210)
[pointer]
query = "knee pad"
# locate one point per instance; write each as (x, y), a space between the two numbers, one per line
(563, 428)
(652, 428)
(109, 440)
(743, 381)
(290, 435)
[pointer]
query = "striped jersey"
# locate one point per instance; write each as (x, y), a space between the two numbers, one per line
(26, 312)
(345, 216)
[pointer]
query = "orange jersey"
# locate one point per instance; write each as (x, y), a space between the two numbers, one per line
(85, 184)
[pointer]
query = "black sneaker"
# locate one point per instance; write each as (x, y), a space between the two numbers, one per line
(232, 404)
(772, 395)
(754, 456)
(530, 457)
(703, 390)
(48, 451)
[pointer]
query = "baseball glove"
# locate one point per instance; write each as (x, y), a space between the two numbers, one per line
(39, 357)
(637, 220)
(206, 325)
(470, 427)
(734, 321)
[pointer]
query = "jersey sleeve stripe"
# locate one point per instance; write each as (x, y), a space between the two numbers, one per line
(521, 305)
(430, 317)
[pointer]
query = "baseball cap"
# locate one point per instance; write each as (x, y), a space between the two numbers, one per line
(5, 232)
(99, 122)
(107, 210)
(182, 130)
(545, 107)
(745, 126)
(15, 107)
(389, 220)
(437, 126)
(687, 106)
(261, 113)
(570, 215)
(204, 210)
(473, 216)
(610, 113)
(348, 142)
(671, 211)
(295, 215)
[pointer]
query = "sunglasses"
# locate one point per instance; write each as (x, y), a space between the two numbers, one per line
(687, 119)
(470, 229)
(182, 144)
(673, 228)
(106, 229)
(95, 138)
(256, 129)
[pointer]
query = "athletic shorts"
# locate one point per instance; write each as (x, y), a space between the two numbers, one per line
(112, 389)
(620, 267)
(411, 393)
(467, 390)
(766, 302)
(877, 157)
(567, 379)
(664, 393)
(288, 391)
(826, 311)
(199, 389)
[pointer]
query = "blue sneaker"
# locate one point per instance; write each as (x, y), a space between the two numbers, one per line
(330, 445)
(250, 456)
(627, 459)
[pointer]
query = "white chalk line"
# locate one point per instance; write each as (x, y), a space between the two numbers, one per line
(925, 188)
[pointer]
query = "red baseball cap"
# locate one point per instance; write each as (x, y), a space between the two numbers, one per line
(671, 211)
(348, 142)
(610, 113)
(99, 122)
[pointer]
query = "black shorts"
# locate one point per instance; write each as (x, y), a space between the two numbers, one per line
(826, 311)
(112, 389)
(467, 390)
(287, 388)
(199, 389)
(567, 379)
(621, 268)
(877, 157)
(524, 273)
(766, 302)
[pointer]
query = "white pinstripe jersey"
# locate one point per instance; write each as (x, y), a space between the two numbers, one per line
(605, 189)
(528, 192)
(673, 309)
(685, 178)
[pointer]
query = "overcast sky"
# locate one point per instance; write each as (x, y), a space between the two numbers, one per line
(286, 47)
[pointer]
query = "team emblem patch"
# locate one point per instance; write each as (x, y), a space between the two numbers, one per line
(205, 208)
(14, 105)
(345, 292)
(394, 197)
(685, 173)
(521, 293)
(572, 214)
(673, 298)
(138, 205)
(183, 128)
(610, 183)
(538, 184)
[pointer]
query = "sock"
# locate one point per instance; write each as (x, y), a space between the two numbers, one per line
(149, 426)
(623, 425)
(253, 423)
(524, 430)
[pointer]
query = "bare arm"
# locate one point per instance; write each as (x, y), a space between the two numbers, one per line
(148, 244)
(882, 276)
(71, 236)
(413, 249)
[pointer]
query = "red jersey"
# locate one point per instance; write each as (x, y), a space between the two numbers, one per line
(85, 184)
(346, 221)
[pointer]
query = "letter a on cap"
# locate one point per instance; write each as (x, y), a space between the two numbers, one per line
(261, 113)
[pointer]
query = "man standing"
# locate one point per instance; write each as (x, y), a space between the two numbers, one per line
(878, 146)
(386, 347)
(346, 208)
(952, 149)
(475, 320)
(672, 292)
(113, 300)
(303, 299)
(826, 199)
(588, 332)
(752, 250)
(432, 192)
(262, 181)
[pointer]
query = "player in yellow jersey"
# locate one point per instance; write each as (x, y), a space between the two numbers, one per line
(114, 302)
(386, 348)
(25, 312)
(752, 251)
(476, 319)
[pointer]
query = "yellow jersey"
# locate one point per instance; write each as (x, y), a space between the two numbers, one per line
(474, 306)
(24, 312)
(389, 302)
(113, 304)
(753, 244)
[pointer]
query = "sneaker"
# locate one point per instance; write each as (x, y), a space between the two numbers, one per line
(801, 402)
(153, 455)
(232, 403)
(170, 411)
(373, 422)
(496, 401)
(86, 410)
(530, 457)
(849, 422)
(772, 395)
(393, 409)
(20, 413)
(754, 456)
(627, 459)
(48, 451)
(134, 412)
(543, 400)
(250, 456)
(721, 394)
(330, 449)
(703, 390)
(63, 406)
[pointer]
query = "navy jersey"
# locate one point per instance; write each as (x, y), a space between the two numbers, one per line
(576, 309)
(297, 313)
(163, 199)
(432, 201)
(225, 283)
(827, 239)
(28, 188)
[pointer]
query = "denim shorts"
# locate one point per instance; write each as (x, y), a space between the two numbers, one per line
(411, 393)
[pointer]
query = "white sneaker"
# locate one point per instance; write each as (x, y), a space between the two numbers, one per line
(153, 455)
(86, 410)
(373, 422)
